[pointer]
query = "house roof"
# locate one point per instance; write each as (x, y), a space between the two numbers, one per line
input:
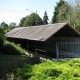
(38, 33)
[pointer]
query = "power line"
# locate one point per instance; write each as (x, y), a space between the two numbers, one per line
(10, 11)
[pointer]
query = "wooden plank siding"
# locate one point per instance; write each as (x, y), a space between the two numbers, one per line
(69, 49)
(44, 38)
(68, 46)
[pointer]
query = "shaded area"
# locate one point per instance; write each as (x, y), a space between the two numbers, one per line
(8, 63)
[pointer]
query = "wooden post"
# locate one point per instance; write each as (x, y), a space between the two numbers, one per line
(46, 49)
(35, 52)
(46, 55)
(27, 45)
(57, 52)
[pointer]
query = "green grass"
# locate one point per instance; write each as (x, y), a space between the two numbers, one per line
(8, 63)
(10, 48)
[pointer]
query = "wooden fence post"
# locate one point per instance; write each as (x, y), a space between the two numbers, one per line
(27, 45)
(57, 51)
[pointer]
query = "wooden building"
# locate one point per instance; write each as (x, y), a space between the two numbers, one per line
(58, 40)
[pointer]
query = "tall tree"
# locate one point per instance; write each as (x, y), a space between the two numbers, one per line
(45, 18)
(61, 13)
(5, 25)
(1, 37)
(75, 14)
(21, 24)
(11, 26)
(33, 20)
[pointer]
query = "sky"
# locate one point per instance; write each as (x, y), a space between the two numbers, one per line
(14, 10)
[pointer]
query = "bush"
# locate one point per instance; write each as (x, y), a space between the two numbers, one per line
(1, 37)
(1, 44)
(58, 70)
(24, 73)
(12, 49)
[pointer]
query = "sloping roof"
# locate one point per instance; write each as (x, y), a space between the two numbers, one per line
(39, 33)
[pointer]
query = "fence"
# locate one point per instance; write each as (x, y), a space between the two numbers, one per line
(68, 49)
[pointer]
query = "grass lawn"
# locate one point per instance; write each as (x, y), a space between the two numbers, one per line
(8, 63)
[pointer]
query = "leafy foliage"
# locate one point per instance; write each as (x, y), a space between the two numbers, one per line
(11, 26)
(75, 14)
(58, 70)
(33, 20)
(45, 18)
(12, 49)
(21, 24)
(61, 13)
(68, 12)
(1, 33)
(2, 37)
(9, 63)
(5, 25)
(22, 72)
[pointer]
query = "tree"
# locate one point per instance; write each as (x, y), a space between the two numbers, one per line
(21, 24)
(11, 26)
(33, 20)
(5, 25)
(75, 14)
(1, 33)
(45, 18)
(61, 13)
(1, 37)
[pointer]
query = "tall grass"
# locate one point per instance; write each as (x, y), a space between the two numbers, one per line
(12, 49)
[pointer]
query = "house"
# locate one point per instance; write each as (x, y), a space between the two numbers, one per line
(58, 40)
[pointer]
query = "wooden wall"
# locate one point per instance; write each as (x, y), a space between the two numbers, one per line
(67, 46)
(50, 44)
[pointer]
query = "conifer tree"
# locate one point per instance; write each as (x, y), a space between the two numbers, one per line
(45, 18)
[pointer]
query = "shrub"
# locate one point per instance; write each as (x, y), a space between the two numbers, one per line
(12, 49)
(58, 70)
(24, 73)
(1, 44)
(1, 37)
